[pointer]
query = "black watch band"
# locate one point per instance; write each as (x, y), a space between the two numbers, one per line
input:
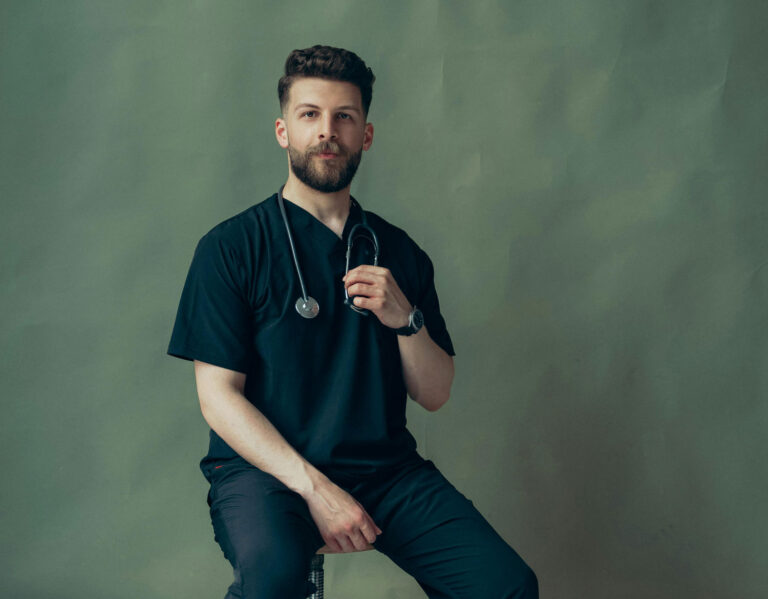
(415, 322)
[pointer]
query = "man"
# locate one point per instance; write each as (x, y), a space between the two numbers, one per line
(306, 397)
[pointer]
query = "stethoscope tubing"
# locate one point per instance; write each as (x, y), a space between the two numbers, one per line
(290, 242)
(373, 239)
(306, 305)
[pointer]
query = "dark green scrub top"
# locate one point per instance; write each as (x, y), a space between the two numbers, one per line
(333, 385)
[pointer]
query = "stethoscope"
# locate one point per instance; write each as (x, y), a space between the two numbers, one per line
(306, 305)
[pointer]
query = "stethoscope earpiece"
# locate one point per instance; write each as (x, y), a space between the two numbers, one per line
(306, 305)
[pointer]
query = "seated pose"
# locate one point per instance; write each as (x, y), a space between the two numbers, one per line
(310, 321)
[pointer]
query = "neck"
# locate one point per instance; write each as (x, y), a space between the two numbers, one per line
(326, 207)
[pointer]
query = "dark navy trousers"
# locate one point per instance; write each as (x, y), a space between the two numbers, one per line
(430, 530)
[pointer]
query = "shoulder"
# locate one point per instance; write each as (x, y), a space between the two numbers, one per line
(394, 239)
(408, 262)
(241, 232)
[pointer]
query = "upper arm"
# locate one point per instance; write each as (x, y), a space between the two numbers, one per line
(213, 380)
(214, 321)
(429, 304)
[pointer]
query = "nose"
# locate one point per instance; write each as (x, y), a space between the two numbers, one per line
(327, 127)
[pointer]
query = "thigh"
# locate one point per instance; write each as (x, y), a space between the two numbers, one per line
(436, 534)
(265, 530)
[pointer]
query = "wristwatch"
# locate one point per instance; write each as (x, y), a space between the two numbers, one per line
(415, 322)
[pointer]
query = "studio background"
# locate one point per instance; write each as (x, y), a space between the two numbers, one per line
(588, 179)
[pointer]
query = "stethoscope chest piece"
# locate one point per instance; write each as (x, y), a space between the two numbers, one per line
(308, 308)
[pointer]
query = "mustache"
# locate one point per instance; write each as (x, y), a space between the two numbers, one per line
(327, 147)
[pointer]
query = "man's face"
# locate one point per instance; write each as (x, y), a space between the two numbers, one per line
(324, 130)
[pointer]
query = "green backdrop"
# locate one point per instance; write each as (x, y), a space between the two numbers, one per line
(588, 178)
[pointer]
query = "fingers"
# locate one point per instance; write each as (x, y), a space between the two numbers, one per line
(369, 270)
(368, 534)
(372, 278)
(343, 522)
(332, 545)
(363, 289)
(348, 546)
(359, 539)
(360, 535)
(359, 542)
(370, 530)
(346, 542)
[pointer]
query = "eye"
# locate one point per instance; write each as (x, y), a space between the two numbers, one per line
(344, 116)
(308, 113)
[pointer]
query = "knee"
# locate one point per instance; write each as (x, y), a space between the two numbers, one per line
(526, 585)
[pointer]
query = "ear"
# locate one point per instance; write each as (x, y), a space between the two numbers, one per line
(281, 133)
(368, 136)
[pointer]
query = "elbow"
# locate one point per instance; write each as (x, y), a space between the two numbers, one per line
(433, 402)
(442, 397)
(434, 396)
(435, 406)
(211, 405)
(206, 411)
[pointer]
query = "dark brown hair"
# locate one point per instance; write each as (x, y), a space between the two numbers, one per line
(327, 62)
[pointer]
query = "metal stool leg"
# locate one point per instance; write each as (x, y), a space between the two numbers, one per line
(317, 576)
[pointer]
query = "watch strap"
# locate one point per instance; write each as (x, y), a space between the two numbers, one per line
(412, 328)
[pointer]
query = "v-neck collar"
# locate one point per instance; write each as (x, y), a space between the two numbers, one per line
(320, 233)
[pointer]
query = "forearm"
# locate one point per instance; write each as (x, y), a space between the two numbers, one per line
(427, 369)
(246, 430)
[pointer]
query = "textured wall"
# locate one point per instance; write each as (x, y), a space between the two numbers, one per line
(588, 178)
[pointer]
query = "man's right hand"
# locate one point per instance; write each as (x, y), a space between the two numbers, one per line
(343, 523)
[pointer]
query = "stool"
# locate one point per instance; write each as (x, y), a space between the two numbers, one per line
(317, 574)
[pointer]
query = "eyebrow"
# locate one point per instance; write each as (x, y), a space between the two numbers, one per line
(345, 107)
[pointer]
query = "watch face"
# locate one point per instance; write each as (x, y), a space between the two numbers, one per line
(418, 319)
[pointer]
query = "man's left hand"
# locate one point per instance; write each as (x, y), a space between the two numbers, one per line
(377, 291)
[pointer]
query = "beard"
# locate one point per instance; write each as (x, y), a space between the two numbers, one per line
(332, 175)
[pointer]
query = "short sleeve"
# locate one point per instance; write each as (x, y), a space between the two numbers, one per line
(429, 305)
(213, 321)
